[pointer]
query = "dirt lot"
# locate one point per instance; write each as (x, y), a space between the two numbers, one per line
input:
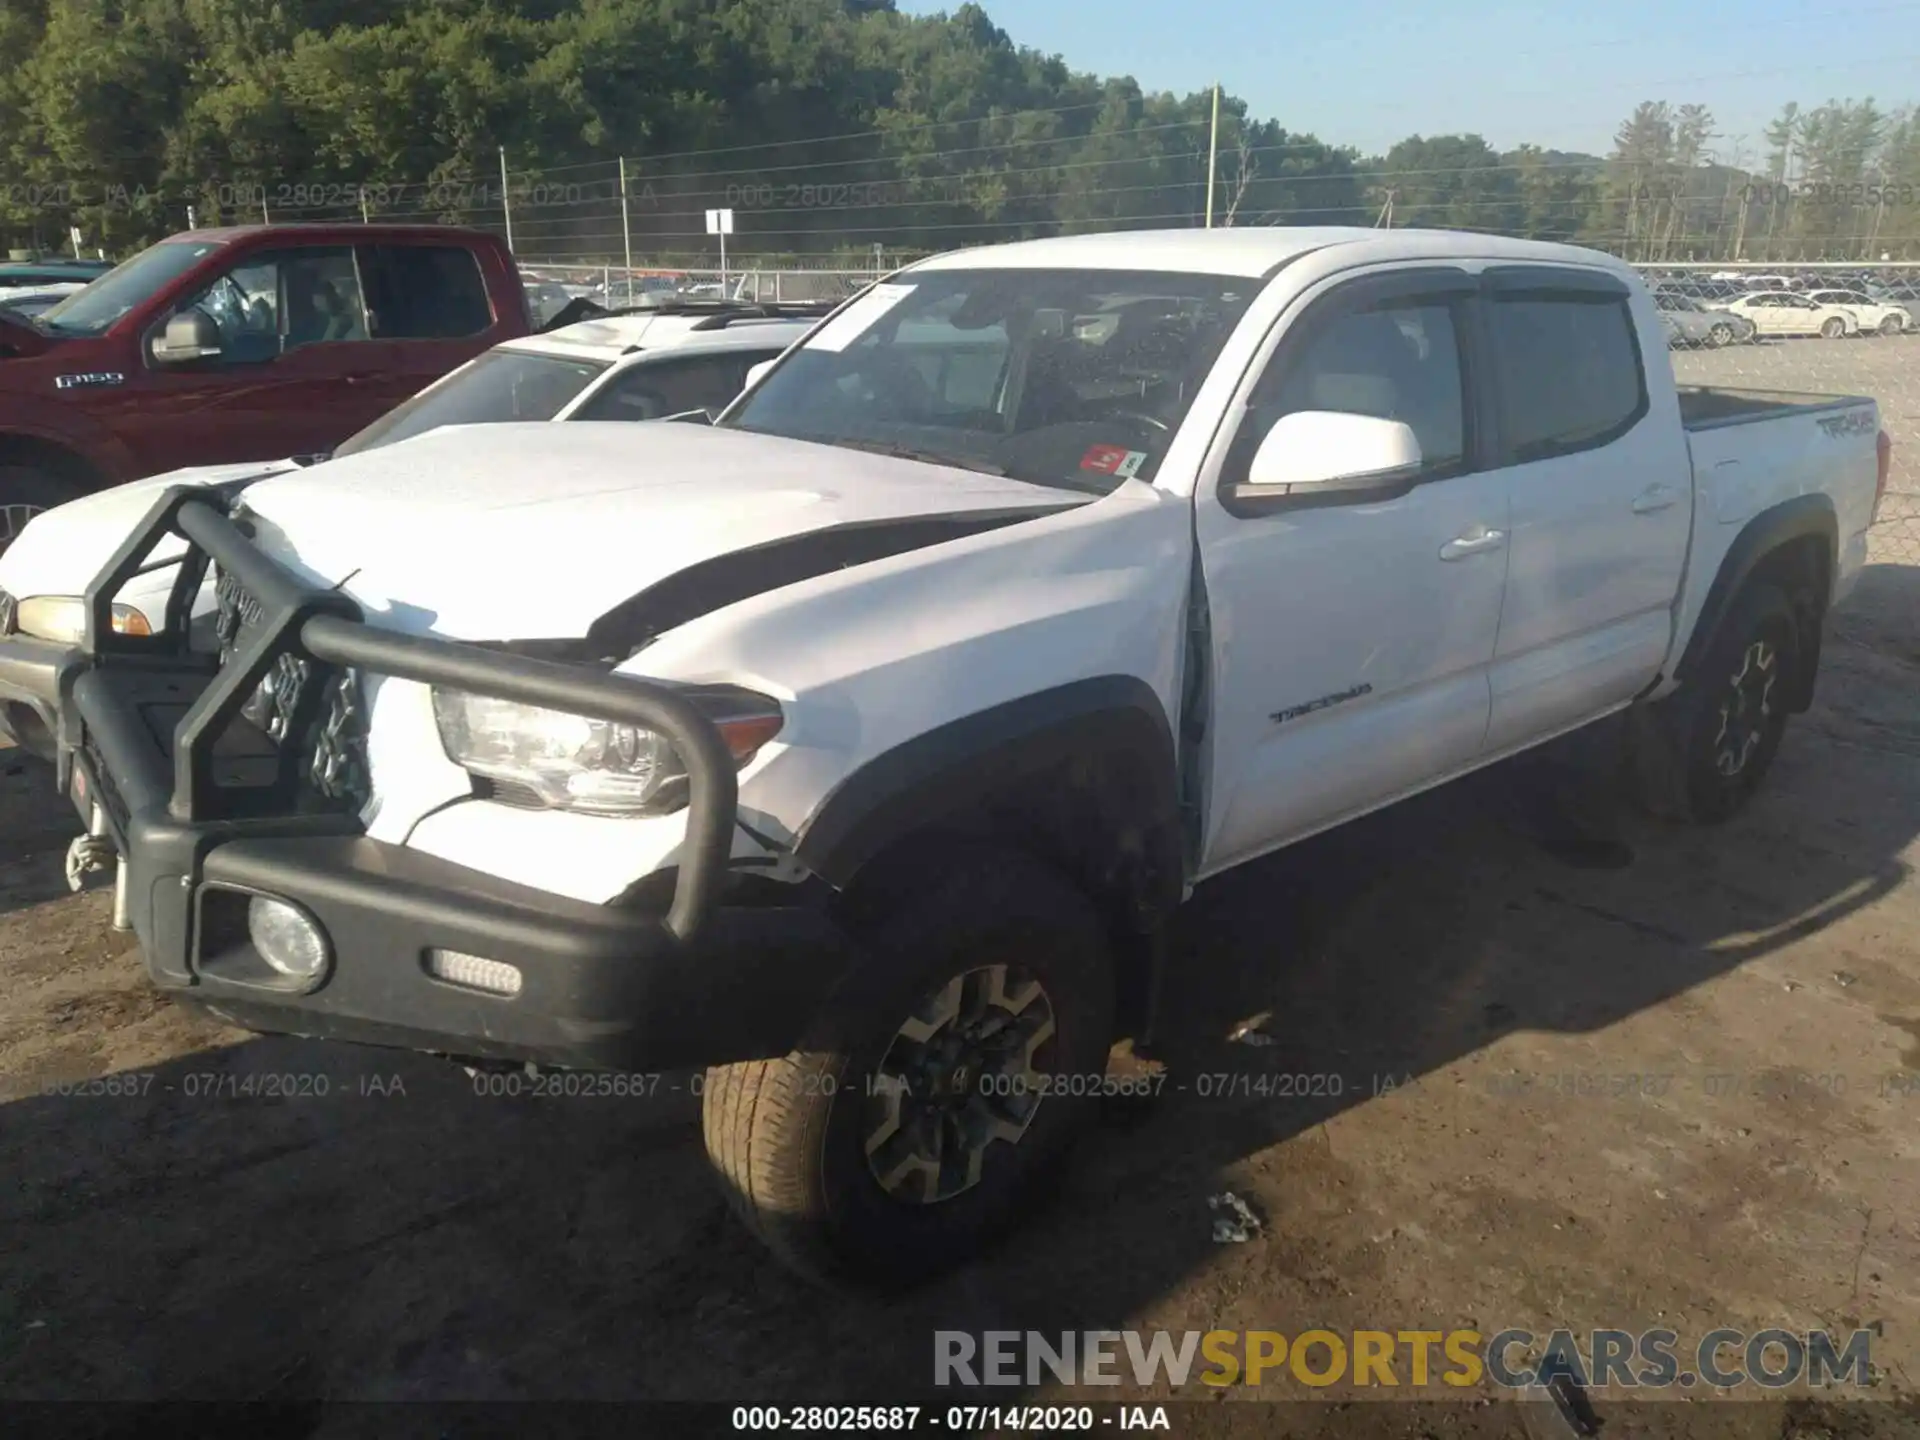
(402, 1237)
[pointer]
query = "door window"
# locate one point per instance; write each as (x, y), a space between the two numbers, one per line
(1570, 372)
(1396, 361)
(425, 292)
(274, 301)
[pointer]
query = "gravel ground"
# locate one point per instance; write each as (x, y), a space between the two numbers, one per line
(388, 1233)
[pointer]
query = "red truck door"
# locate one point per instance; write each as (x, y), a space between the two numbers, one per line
(293, 373)
(428, 310)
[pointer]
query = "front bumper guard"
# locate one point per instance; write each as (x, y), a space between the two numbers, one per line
(146, 747)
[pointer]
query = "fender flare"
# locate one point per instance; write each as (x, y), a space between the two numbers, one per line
(1765, 533)
(948, 769)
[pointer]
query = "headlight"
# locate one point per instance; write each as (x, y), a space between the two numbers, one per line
(64, 618)
(568, 762)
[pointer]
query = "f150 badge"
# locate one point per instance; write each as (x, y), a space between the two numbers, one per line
(1325, 702)
(97, 377)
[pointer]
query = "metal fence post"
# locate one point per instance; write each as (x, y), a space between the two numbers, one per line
(626, 227)
(506, 201)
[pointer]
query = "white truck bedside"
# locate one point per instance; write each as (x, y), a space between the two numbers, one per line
(860, 747)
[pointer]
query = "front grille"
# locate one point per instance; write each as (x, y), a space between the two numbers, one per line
(299, 702)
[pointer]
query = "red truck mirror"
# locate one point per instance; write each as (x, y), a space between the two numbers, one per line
(190, 335)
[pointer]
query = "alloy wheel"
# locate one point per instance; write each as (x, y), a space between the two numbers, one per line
(1745, 708)
(962, 1075)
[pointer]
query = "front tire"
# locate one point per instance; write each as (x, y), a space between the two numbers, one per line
(1834, 328)
(25, 491)
(947, 1076)
(1720, 336)
(1892, 325)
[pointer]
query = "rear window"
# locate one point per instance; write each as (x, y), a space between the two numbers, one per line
(425, 292)
(1570, 372)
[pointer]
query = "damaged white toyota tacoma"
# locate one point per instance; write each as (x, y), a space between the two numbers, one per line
(859, 748)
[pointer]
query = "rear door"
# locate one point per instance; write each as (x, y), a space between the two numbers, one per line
(1352, 640)
(428, 313)
(1601, 486)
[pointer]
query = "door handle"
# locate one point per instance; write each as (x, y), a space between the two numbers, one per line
(1655, 497)
(1478, 543)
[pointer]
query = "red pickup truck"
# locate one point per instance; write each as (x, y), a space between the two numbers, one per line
(225, 345)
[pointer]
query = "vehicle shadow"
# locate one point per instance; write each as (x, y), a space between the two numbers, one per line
(283, 1219)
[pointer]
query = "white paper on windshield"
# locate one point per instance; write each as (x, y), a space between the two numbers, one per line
(859, 317)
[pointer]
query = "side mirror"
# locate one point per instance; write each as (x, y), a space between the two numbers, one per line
(190, 335)
(1328, 452)
(758, 373)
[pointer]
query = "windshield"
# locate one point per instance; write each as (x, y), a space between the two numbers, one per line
(1072, 378)
(94, 310)
(501, 386)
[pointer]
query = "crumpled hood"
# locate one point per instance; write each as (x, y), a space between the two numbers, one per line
(534, 531)
(62, 549)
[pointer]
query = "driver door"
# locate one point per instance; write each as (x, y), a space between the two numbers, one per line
(293, 340)
(1352, 639)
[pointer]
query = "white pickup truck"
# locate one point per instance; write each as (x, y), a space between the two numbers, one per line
(860, 748)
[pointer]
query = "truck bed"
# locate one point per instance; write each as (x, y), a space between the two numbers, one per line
(1708, 407)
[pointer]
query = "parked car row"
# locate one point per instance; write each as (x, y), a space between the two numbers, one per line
(1875, 303)
(859, 748)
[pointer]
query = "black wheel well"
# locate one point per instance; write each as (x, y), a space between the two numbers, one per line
(1792, 545)
(1084, 817)
(55, 459)
(1803, 570)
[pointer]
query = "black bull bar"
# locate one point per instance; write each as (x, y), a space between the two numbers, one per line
(107, 729)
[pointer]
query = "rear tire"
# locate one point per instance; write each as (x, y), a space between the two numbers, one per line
(1720, 336)
(25, 491)
(1834, 328)
(852, 1179)
(1705, 750)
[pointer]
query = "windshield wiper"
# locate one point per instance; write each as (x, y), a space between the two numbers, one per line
(928, 457)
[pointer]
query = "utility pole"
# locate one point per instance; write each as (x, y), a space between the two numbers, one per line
(365, 219)
(506, 203)
(1384, 221)
(265, 218)
(626, 227)
(1213, 154)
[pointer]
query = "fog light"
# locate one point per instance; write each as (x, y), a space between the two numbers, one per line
(288, 939)
(496, 977)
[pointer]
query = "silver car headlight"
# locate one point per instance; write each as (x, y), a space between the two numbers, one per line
(568, 762)
(63, 618)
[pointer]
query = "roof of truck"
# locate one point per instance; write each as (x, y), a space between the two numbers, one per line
(1253, 251)
(226, 234)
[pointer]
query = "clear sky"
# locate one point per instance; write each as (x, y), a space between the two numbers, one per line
(1369, 72)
